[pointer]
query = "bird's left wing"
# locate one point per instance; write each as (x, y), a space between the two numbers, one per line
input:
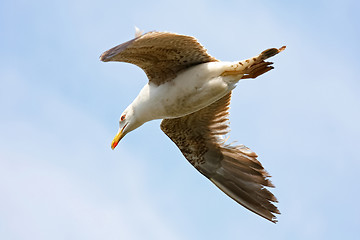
(234, 169)
(160, 54)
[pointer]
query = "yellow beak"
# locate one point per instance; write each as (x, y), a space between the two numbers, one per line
(117, 139)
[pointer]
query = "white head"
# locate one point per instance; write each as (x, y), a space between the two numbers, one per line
(127, 123)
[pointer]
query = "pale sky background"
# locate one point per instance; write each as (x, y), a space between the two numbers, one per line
(60, 107)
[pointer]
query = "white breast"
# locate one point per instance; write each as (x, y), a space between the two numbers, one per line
(189, 92)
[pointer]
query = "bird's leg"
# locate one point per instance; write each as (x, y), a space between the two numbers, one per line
(252, 67)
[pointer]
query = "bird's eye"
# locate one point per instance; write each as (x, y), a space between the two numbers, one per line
(122, 118)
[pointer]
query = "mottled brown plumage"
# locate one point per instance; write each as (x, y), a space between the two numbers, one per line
(191, 91)
(160, 54)
(234, 169)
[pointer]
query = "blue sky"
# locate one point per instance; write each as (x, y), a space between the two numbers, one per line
(60, 107)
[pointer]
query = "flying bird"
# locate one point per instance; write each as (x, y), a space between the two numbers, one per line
(191, 90)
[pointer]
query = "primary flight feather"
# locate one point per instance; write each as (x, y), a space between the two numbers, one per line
(191, 90)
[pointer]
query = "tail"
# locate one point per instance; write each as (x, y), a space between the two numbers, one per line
(253, 67)
(258, 65)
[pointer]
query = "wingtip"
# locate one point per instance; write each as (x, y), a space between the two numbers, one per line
(113, 53)
(103, 57)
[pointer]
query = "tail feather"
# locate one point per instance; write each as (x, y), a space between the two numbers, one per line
(253, 67)
(268, 53)
(259, 66)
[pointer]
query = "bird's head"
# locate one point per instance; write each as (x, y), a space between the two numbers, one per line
(127, 123)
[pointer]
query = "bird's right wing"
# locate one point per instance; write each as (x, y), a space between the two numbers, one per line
(160, 54)
(233, 169)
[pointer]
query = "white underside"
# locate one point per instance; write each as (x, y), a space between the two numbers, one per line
(190, 91)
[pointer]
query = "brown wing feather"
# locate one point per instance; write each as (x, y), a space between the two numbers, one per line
(234, 169)
(160, 54)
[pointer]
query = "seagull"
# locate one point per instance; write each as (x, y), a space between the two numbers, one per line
(191, 90)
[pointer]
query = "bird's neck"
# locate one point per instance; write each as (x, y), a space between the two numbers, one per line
(144, 105)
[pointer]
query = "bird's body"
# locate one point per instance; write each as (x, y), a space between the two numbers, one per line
(191, 91)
